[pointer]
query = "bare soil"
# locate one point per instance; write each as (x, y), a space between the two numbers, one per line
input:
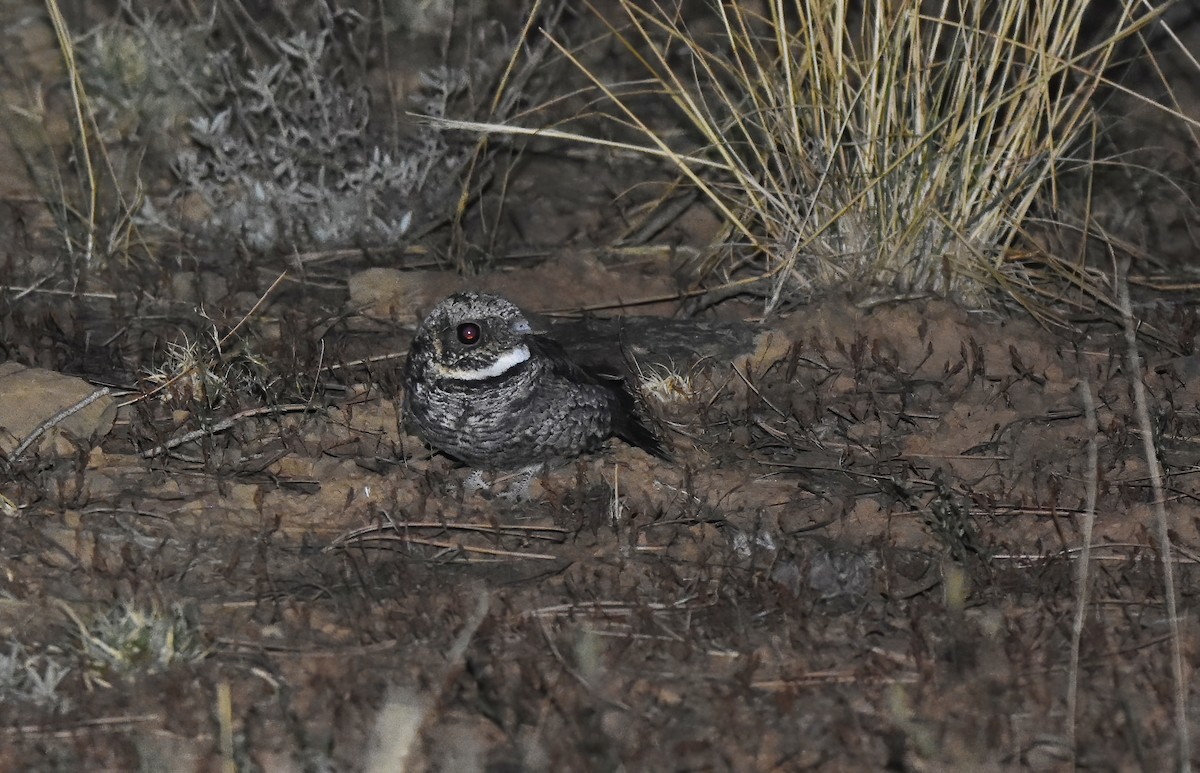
(863, 555)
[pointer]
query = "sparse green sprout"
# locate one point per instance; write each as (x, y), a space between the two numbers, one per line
(129, 640)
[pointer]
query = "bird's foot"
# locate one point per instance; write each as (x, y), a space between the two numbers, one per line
(515, 486)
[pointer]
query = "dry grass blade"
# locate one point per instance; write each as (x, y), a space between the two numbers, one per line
(114, 724)
(225, 723)
(609, 608)
(1085, 556)
(1165, 550)
(823, 678)
(78, 100)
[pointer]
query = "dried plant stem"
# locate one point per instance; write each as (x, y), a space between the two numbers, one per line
(225, 718)
(57, 419)
(56, 729)
(1085, 556)
(1134, 360)
(77, 99)
(509, 530)
(456, 547)
(223, 425)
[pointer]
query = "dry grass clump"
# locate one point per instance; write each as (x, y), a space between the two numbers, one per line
(904, 144)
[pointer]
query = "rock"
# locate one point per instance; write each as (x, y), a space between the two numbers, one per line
(198, 287)
(568, 283)
(403, 297)
(29, 397)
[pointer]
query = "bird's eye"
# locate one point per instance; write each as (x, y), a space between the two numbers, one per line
(469, 334)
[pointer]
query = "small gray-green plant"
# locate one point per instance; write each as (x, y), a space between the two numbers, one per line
(275, 146)
(130, 640)
(285, 159)
(948, 518)
(146, 79)
(32, 679)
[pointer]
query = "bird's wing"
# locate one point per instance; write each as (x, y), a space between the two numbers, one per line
(627, 423)
(561, 363)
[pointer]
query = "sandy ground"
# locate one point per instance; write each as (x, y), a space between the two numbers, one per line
(862, 556)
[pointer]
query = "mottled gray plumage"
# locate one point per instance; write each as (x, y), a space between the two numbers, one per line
(486, 390)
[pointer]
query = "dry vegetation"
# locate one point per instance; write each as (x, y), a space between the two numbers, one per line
(925, 348)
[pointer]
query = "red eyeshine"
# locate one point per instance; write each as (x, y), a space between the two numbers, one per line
(469, 333)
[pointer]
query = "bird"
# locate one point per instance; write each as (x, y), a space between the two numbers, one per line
(483, 388)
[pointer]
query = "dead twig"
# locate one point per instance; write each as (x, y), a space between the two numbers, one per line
(508, 530)
(819, 678)
(56, 419)
(223, 425)
(760, 395)
(404, 721)
(225, 719)
(379, 534)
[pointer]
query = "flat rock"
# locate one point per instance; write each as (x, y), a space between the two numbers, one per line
(31, 396)
(574, 282)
